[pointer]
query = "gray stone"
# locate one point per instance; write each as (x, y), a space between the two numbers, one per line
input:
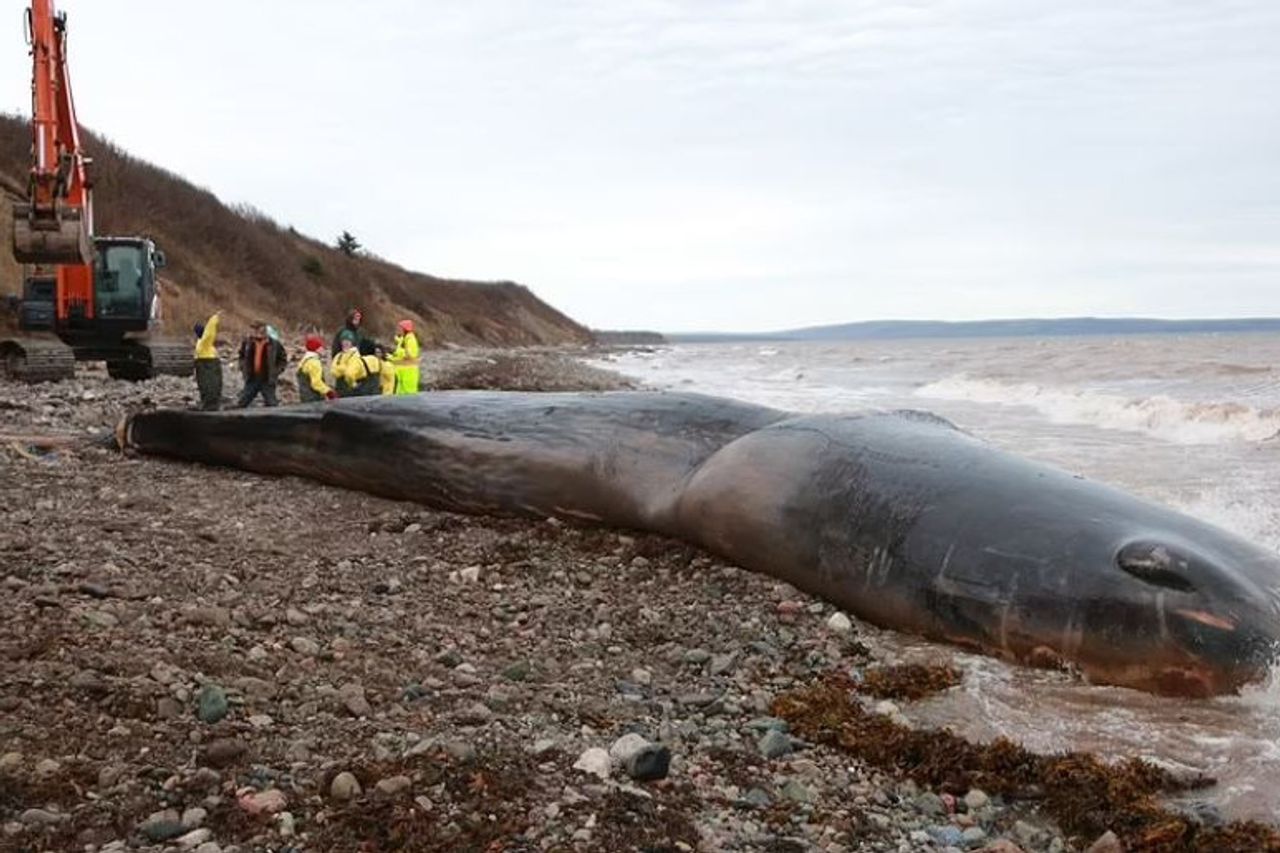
(475, 714)
(194, 838)
(796, 792)
(393, 785)
(305, 646)
(774, 744)
(946, 835)
(625, 747)
(697, 657)
(518, 671)
(296, 617)
(194, 818)
(594, 761)
(756, 798)
(976, 799)
(11, 762)
(353, 700)
(930, 803)
(721, 664)
(211, 704)
(162, 826)
(974, 835)
(41, 817)
(47, 767)
(1106, 843)
(344, 786)
(223, 752)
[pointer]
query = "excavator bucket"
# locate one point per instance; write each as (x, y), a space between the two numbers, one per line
(42, 239)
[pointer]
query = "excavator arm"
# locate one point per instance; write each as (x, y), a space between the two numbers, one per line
(55, 224)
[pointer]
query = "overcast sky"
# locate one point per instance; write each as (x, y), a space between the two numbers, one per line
(730, 165)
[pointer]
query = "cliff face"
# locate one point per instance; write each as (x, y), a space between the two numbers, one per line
(250, 267)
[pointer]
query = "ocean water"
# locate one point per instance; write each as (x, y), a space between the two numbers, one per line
(1189, 421)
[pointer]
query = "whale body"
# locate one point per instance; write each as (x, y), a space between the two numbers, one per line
(899, 518)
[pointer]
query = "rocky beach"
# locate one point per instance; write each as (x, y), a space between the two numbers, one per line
(203, 659)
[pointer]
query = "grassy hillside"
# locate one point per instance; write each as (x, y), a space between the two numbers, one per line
(251, 267)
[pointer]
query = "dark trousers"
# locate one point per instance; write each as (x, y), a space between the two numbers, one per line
(253, 386)
(209, 383)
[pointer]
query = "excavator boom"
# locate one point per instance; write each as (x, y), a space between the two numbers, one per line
(55, 224)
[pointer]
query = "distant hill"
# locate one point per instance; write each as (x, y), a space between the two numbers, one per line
(241, 261)
(902, 329)
(614, 338)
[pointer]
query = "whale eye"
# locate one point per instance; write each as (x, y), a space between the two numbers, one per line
(1156, 564)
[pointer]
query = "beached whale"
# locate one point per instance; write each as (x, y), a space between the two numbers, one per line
(898, 517)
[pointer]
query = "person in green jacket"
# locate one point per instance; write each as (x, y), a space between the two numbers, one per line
(405, 358)
(208, 365)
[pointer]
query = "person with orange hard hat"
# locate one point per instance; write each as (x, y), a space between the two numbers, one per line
(405, 358)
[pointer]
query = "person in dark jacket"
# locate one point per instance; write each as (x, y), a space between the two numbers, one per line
(352, 331)
(262, 360)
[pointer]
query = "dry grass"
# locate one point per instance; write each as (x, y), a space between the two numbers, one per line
(241, 261)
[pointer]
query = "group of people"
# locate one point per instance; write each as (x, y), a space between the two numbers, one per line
(360, 366)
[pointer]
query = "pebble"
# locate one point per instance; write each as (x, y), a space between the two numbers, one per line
(757, 798)
(594, 761)
(1106, 843)
(475, 714)
(774, 744)
(344, 787)
(296, 617)
(353, 699)
(697, 657)
(947, 836)
(796, 792)
(625, 747)
(270, 801)
(47, 767)
(651, 763)
(930, 803)
(194, 838)
(223, 752)
(41, 817)
(974, 835)
(162, 826)
(305, 646)
(976, 799)
(393, 785)
(211, 704)
(642, 676)
(518, 671)
(839, 623)
(11, 762)
(194, 818)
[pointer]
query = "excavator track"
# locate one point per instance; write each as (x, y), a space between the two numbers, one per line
(169, 358)
(27, 360)
(144, 359)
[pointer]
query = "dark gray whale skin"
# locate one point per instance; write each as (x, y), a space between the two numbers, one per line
(898, 517)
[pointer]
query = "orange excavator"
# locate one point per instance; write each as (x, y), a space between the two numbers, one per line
(85, 298)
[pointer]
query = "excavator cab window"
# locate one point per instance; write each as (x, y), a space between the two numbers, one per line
(121, 281)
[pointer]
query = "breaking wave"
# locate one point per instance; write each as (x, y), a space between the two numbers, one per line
(1177, 421)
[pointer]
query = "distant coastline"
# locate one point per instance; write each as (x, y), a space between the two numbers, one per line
(1067, 326)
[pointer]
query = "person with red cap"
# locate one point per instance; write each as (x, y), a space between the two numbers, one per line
(311, 385)
(405, 359)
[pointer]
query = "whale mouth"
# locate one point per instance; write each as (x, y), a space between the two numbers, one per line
(1157, 564)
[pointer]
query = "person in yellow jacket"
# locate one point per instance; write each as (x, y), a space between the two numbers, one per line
(386, 379)
(349, 369)
(208, 365)
(405, 358)
(311, 384)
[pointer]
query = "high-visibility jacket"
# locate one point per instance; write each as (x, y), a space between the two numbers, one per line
(311, 385)
(405, 358)
(349, 370)
(371, 383)
(388, 378)
(205, 346)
